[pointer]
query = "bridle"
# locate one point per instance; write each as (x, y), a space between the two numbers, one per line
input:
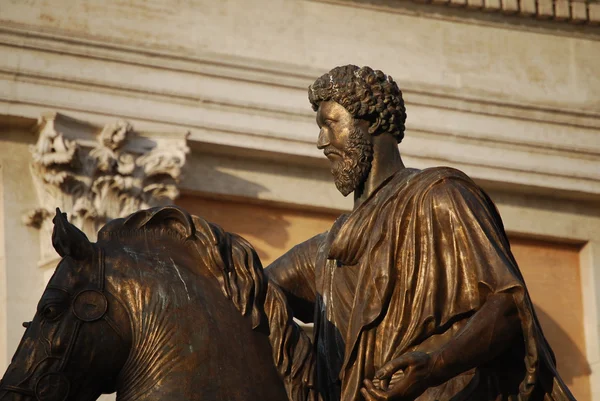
(89, 305)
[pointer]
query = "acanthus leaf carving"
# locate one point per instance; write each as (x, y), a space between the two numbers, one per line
(103, 176)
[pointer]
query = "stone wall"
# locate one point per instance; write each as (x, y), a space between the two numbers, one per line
(21, 280)
(511, 103)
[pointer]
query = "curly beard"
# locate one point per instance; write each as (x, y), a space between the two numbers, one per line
(353, 170)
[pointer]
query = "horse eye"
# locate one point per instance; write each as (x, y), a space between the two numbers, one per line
(51, 312)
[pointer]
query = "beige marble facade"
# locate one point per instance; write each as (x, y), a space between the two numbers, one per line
(512, 101)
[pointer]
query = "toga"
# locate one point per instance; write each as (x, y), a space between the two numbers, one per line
(404, 272)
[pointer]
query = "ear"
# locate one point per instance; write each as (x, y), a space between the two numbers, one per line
(68, 240)
(375, 126)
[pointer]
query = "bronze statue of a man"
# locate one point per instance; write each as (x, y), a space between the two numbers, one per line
(415, 294)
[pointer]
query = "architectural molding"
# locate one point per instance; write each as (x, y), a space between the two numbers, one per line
(571, 17)
(574, 11)
(96, 174)
(565, 222)
(256, 71)
(252, 106)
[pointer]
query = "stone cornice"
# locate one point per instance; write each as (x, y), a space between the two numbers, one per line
(576, 17)
(481, 133)
(574, 11)
(269, 73)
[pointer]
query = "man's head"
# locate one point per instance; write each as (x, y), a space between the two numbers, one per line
(353, 104)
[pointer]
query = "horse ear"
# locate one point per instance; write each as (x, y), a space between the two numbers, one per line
(68, 240)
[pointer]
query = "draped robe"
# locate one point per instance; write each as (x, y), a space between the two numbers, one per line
(404, 272)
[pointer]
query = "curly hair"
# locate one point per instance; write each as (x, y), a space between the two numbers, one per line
(366, 93)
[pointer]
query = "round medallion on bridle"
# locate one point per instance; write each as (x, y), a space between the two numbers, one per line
(52, 387)
(90, 305)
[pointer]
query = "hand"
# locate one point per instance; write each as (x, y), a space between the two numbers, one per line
(417, 368)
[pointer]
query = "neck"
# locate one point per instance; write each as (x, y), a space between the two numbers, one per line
(156, 335)
(386, 162)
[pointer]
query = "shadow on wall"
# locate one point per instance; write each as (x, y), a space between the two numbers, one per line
(272, 229)
(266, 229)
(209, 176)
(570, 360)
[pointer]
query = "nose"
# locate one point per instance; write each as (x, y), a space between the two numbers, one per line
(323, 140)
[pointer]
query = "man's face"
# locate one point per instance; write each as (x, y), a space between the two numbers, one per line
(346, 143)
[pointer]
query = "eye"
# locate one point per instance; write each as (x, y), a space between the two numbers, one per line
(52, 311)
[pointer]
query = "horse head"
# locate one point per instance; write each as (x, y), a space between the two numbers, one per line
(79, 336)
(165, 306)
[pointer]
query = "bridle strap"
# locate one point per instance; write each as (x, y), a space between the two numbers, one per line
(79, 322)
(70, 346)
(15, 389)
(101, 270)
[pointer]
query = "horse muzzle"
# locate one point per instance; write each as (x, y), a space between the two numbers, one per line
(50, 386)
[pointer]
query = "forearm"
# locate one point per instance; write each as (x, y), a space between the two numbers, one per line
(294, 274)
(489, 332)
(300, 303)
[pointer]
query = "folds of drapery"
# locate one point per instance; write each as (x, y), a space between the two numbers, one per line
(244, 282)
(422, 255)
(431, 248)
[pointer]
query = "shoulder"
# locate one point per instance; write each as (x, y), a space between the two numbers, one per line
(443, 175)
(312, 244)
(449, 188)
(451, 193)
(423, 186)
(429, 177)
(436, 181)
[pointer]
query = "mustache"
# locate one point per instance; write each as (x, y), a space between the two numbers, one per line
(330, 150)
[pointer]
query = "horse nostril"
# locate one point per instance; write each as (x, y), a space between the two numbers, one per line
(26, 324)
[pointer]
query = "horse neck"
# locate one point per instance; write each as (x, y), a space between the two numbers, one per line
(174, 304)
(156, 293)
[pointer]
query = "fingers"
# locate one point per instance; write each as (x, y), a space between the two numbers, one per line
(384, 384)
(366, 395)
(394, 365)
(370, 393)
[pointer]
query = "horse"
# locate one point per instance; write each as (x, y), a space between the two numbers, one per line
(164, 306)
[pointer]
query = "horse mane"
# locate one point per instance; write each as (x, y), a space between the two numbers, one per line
(229, 257)
(236, 266)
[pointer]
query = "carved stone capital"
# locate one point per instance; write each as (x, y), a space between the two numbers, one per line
(96, 174)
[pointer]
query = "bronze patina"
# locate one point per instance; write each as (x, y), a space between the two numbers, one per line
(165, 306)
(415, 294)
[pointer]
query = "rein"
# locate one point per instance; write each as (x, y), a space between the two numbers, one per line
(89, 305)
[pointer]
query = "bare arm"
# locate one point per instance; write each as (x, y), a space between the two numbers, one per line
(294, 273)
(488, 333)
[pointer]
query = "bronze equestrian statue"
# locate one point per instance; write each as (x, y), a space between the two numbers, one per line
(165, 306)
(415, 294)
